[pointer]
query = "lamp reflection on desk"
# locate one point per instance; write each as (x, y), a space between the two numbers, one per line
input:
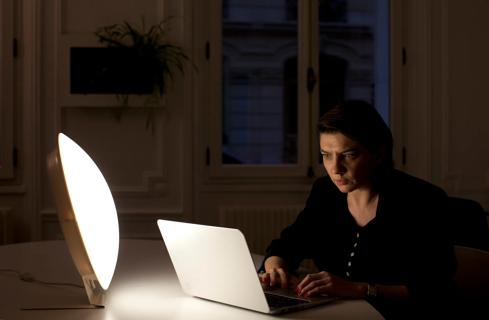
(87, 215)
(153, 300)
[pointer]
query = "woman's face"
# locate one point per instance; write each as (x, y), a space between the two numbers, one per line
(349, 165)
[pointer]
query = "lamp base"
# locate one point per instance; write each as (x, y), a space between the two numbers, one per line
(95, 293)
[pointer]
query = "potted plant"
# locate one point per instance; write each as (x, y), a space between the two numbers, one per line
(151, 53)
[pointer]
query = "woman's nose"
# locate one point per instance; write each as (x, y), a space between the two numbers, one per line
(336, 166)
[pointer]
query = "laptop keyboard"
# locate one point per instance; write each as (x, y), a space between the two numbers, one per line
(277, 301)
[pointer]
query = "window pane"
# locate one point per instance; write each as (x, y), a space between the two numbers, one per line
(259, 82)
(354, 52)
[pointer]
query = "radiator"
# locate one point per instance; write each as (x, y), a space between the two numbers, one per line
(259, 224)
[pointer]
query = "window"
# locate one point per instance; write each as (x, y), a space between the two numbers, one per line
(282, 64)
(353, 52)
(259, 50)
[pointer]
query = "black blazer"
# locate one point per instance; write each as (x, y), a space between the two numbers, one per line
(405, 244)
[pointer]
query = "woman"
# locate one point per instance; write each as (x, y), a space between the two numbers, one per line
(374, 232)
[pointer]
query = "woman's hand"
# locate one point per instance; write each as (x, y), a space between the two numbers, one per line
(326, 283)
(276, 274)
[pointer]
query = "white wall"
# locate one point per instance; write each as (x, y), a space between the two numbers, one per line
(149, 170)
(443, 101)
(439, 115)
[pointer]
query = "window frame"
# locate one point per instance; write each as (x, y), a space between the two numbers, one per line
(216, 167)
(6, 89)
(308, 165)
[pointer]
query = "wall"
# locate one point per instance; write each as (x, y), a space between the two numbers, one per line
(443, 103)
(148, 169)
(438, 109)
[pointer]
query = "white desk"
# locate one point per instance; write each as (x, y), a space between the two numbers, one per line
(144, 287)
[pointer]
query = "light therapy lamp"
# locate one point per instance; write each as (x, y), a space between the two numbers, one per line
(87, 216)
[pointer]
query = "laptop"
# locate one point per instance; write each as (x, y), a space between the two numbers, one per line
(215, 263)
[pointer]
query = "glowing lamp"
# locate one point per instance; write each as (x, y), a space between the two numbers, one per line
(87, 215)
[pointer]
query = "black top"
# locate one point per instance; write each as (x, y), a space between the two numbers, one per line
(405, 244)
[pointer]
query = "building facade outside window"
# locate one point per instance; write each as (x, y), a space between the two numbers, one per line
(260, 45)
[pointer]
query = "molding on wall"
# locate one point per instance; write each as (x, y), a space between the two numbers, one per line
(16, 189)
(153, 182)
(33, 162)
(397, 78)
(138, 223)
(417, 115)
(6, 226)
(444, 98)
(7, 84)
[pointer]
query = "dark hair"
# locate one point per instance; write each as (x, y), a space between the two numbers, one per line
(361, 122)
